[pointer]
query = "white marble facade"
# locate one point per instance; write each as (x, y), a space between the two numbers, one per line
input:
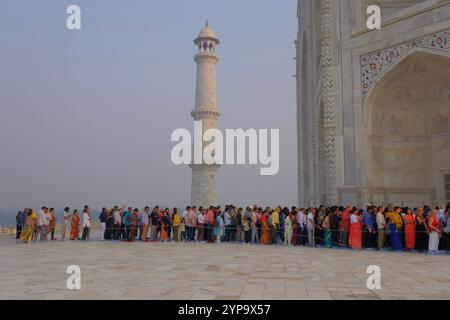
(373, 106)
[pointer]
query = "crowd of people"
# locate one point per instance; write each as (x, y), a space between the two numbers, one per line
(376, 227)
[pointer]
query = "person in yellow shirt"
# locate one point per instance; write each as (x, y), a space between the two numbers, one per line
(34, 217)
(176, 224)
(396, 219)
(275, 224)
(27, 232)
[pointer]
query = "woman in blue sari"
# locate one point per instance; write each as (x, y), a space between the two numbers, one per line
(218, 226)
(396, 224)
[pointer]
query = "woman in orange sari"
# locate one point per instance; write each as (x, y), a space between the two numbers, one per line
(410, 230)
(163, 233)
(355, 237)
(75, 226)
(265, 232)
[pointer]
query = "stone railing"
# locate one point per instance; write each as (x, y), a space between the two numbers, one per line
(7, 231)
(11, 231)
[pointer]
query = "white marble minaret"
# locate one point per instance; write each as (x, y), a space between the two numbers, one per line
(204, 189)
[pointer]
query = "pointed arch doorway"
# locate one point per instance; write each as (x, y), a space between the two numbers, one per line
(407, 141)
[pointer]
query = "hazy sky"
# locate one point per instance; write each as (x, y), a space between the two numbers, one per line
(86, 116)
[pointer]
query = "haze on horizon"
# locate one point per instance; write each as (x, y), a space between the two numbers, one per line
(87, 115)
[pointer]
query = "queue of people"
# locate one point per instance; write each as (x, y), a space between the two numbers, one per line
(31, 226)
(372, 228)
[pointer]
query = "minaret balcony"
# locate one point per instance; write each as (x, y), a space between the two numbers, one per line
(205, 114)
(205, 166)
(206, 57)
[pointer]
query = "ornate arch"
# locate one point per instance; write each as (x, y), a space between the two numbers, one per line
(375, 65)
(376, 172)
(387, 69)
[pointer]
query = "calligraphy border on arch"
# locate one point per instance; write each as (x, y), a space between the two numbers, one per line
(374, 64)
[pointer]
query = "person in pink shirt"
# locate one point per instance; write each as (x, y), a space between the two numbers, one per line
(192, 223)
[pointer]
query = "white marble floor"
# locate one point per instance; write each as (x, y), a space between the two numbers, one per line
(111, 270)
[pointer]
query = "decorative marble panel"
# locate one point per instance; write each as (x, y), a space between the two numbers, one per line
(374, 64)
(412, 200)
(349, 198)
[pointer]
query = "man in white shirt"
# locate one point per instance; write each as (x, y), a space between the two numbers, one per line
(186, 223)
(117, 214)
(310, 226)
(227, 222)
(43, 223)
(86, 222)
(301, 221)
(65, 224)
(47, 222)
(381, 224)
(192, 223)
(201, 226)
(145, 220)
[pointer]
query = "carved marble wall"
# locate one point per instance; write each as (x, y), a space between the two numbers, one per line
(373, 106)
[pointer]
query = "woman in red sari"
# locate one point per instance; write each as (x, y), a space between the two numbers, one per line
(265, 232)
(356, 223)
(410, 230)
(75, 226)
